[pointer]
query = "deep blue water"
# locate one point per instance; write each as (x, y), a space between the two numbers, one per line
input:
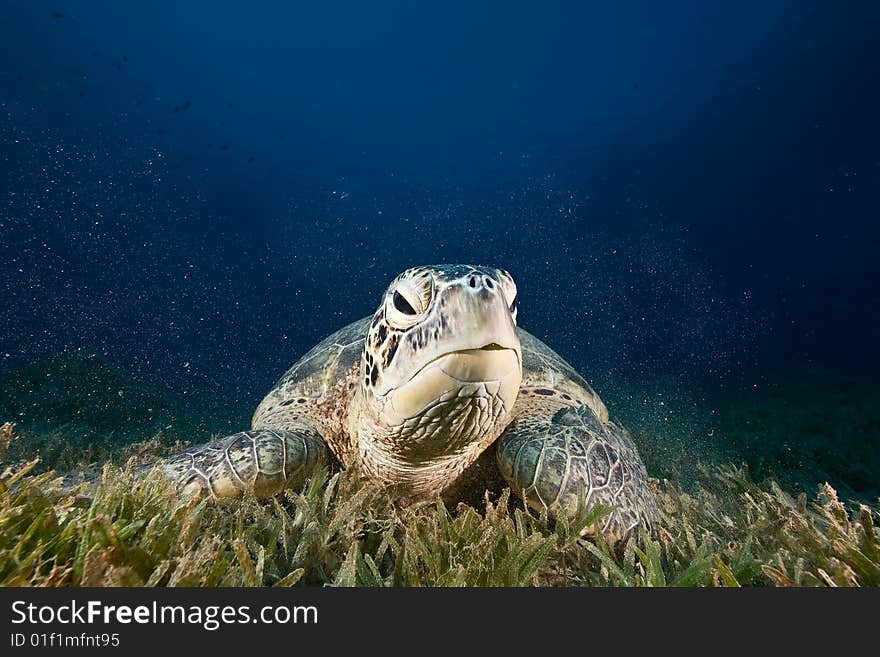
(687, 193)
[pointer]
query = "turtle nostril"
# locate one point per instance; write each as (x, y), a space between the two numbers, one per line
(488, 282)
(472, 281)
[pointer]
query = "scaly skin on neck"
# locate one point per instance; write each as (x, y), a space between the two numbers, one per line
(425, 453)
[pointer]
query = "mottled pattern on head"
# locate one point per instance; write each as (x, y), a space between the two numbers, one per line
(441, 369)
(418, 287)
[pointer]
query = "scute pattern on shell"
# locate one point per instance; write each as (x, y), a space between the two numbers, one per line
(325, 363)
(544, 369)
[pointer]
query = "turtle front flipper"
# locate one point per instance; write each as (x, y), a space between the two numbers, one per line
(557, 458)
(263, 462)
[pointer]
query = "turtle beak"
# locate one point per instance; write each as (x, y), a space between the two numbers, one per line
(498, 370)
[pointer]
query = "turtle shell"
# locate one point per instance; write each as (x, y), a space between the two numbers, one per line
(546, 372)
(325, 364)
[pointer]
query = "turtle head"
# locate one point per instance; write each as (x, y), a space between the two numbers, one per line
(441, 366)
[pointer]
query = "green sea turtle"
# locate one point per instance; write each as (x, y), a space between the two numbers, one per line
(414, 394)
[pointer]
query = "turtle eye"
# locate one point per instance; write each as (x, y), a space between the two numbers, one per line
(401, 304)
(513, 305)
(407, 302)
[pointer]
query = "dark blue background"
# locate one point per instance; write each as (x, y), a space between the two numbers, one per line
(684, 191)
